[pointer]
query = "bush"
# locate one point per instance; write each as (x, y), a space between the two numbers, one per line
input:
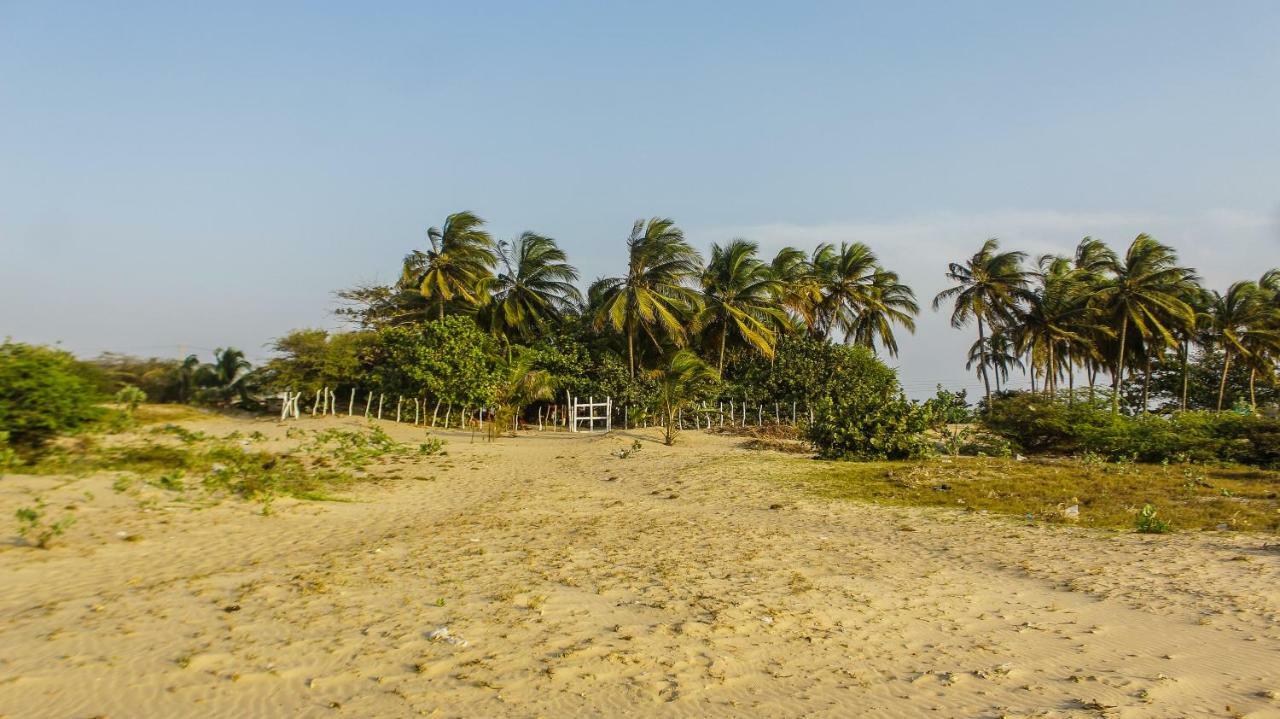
(863, 414)
(1036, 424)
(42, 393)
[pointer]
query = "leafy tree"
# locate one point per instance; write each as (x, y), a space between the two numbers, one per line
(457, 268)
(739, 294)
(311, 359)
(652, 297)
(450, 359)
(42, 394)
(989, 287)
(227, 380)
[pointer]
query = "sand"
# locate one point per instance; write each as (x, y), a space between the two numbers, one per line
(544, 576)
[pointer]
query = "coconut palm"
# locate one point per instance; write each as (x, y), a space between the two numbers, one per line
(533, 289)
(680, 378)
(738, 298)
(989, 287)
(652, 297)
(520, 384)
(889, 302)
(797, 291)
(457, 268)
(845, 276)
(1143, 291)
(1052, 319)
(1243, 326)
(225, 379)
(999, 355)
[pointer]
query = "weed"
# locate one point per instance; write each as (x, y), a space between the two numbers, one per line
(1148, 523)
(33, 524)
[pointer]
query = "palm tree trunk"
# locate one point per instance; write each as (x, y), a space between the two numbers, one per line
(1092, 371)
(1071, 382)
(441, 309)
(982, 342)
(631, 349)
(1146, 385)
(1118, 370)
(1253, 397)
(1186, 351)
(724, 335)
(1222, 386)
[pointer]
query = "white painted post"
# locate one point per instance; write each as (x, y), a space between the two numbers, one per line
(608, 414)
(367, 402)
(730, 412)
(448, 412)
(793, 411)
(351, 403)
(480, 416)
(415, 412)
(316, 404)
(399, 401)
(434, 412)
(382, 396)
(759, 414)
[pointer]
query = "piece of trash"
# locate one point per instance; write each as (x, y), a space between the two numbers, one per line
(1072, 512)
(441, 634)
(231, 608)
(1019, 458)
(767, 620)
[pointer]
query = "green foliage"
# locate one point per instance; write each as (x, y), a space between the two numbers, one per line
(682, 379)
(129, 397)
(310, 359)
(1147, 522)
(1036, 424)
(34, 524)
(864, 415)
(42, 394)
(451, 359)
(948, 407)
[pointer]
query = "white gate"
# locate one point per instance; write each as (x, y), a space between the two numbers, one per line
(576, 416)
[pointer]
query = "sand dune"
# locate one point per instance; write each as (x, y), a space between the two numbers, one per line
(544, 576)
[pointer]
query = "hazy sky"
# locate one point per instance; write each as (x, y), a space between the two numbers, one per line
(178, 176)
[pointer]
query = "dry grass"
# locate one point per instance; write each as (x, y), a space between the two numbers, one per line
(1109, 496)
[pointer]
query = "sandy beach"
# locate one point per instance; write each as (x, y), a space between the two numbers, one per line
(544, 576)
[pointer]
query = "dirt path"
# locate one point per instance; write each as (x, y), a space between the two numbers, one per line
(686, 581)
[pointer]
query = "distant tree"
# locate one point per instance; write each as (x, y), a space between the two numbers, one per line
(533, 289)
(653, 297)
(739, 299)
(989, 287)
(456, 268)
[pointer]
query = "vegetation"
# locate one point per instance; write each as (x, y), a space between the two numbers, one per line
(1106, 495)
(42, 394)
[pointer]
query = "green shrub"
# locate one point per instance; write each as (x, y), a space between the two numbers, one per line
(42, 394)
(1036, 424)
(863, 414)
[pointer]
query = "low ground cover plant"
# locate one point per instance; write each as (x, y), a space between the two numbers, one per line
(1108, 495)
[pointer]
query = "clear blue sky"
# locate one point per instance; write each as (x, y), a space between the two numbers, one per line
(179, 176)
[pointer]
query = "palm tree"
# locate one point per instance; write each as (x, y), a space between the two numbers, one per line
(989, 287)
(998, 354)
(1243, 325)
(845, 277)
(1049, 323)
(533, 288)
(457, 267)
(1144, 290)
(185, 377)
(652, 297)
(738, 293)
(682, 375)
(798, 291)
(225, 377)
(520, 385)
(889, 302)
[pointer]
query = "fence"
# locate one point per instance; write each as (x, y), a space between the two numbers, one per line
(728, 412)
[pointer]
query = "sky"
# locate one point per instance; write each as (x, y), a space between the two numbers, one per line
(176, 177)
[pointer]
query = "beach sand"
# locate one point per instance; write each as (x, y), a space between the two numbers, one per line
(543, 576)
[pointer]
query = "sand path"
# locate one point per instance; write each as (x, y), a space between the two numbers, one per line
(689, 581)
